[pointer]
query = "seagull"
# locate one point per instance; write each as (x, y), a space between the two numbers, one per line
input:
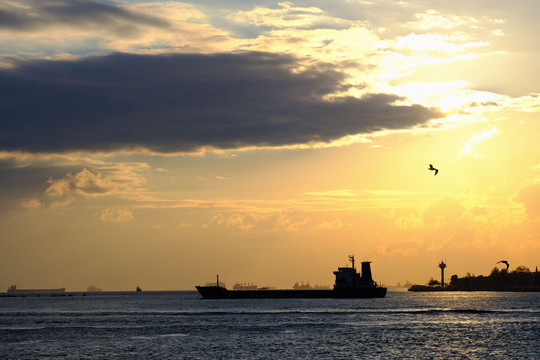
(504, 262)
(433, 169)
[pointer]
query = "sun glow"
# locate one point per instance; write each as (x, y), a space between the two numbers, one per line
(449, 96)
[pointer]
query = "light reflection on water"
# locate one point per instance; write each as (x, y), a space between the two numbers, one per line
(181, 325)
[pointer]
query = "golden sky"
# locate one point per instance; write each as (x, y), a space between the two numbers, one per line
(160, 143)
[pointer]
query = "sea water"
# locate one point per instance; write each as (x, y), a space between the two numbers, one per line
(181, 325)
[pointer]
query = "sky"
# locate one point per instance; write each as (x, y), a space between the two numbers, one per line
(159, 143)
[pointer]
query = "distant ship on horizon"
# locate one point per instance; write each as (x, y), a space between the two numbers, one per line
(349, 284)
(13, 290)
(93, 288)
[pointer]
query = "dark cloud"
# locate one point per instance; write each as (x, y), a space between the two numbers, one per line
(20, 183)
(171, 103)
(40, 14)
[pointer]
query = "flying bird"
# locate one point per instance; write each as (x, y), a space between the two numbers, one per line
(504, 262)
(433, 169)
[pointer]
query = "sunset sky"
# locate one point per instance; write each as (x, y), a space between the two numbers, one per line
(159, 143)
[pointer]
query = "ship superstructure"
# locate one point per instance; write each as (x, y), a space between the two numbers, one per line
(347, 277)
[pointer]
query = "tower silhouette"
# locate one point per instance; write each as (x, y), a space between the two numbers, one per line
(442, 265)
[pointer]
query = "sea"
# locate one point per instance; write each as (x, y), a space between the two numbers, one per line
(181, 325)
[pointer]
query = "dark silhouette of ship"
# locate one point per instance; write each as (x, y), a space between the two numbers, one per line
(13, 290)
(349, 284)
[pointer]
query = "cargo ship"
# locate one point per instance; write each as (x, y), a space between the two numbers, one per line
(13, 290)
(349, 284)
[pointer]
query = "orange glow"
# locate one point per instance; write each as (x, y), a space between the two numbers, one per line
(281, 210)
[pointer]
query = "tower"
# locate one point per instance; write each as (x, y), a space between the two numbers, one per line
(442, 265)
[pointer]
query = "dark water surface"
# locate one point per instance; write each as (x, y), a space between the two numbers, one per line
(180, 325)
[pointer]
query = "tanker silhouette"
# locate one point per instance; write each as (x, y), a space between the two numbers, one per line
(349, 284)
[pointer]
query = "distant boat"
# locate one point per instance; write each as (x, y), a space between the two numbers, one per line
(307, 286)
(251, 286)
(138, 288)
(349, 284)
(93, 288)
(13, 290)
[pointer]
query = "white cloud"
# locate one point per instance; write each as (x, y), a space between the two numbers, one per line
(468, 149)
(83, 182)
(329, 225)
(31, 203)
(530, 197)
(116, 214)
(62, 203)
(276, 221)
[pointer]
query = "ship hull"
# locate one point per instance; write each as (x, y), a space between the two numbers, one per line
(215, 292)
(35, 291)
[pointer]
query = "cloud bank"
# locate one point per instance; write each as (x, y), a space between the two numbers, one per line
(35, 15)
(182, 103)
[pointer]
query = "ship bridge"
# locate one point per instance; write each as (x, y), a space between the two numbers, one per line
(347, 277)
